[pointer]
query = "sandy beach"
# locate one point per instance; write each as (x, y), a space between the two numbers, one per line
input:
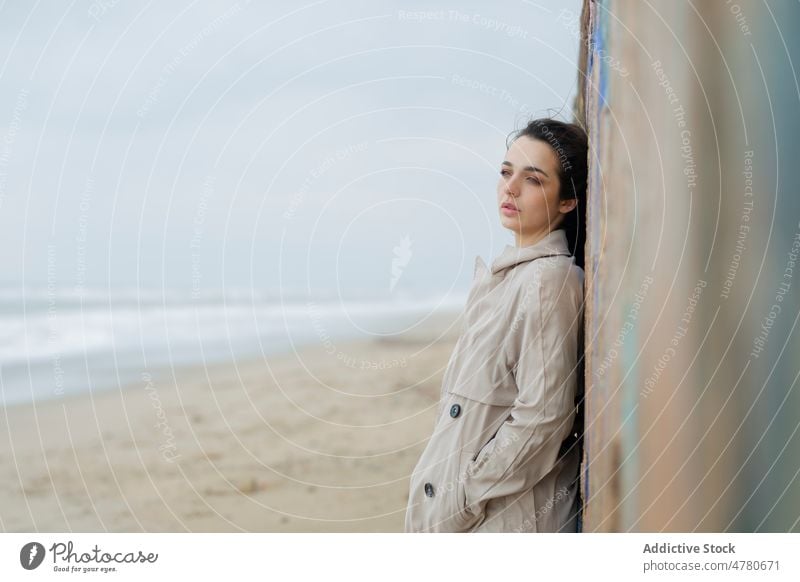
(318, 439)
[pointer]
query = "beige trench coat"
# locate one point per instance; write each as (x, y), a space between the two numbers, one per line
(495, 461)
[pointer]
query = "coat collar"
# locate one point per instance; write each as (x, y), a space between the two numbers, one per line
(554, 243)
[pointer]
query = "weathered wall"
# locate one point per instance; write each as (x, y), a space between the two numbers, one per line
(693, 403)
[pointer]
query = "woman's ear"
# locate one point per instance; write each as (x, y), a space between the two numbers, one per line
(567, 205)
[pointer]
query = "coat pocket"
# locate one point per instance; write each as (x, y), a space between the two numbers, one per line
(462, 515)
(444, 509)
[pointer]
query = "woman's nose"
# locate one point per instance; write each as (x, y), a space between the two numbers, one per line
(511, 187)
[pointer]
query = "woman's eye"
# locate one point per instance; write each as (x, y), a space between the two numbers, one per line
(504, 172)
(533, 180)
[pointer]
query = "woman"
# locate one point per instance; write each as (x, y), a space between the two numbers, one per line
(503, 456)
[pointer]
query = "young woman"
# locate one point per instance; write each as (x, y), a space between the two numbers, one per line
(503, 456)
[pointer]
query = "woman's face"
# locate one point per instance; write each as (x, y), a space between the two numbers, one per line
(528, 191)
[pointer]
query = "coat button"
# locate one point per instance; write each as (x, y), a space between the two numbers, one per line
(428, 489)
(455, 410)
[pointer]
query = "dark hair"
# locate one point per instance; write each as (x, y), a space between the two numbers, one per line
(571, 146)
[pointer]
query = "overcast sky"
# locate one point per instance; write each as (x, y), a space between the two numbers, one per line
(274, 145)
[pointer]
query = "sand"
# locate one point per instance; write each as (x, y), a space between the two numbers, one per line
(319, 439)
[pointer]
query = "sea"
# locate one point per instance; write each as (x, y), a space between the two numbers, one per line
(60, 342)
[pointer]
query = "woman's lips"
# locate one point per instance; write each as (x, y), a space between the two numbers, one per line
(509, 210)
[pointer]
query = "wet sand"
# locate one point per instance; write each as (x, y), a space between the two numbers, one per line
(322, 439)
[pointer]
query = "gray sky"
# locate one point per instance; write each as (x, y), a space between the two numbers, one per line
(276, 146)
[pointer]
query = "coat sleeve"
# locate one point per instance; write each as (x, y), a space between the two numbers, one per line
(544, 337)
